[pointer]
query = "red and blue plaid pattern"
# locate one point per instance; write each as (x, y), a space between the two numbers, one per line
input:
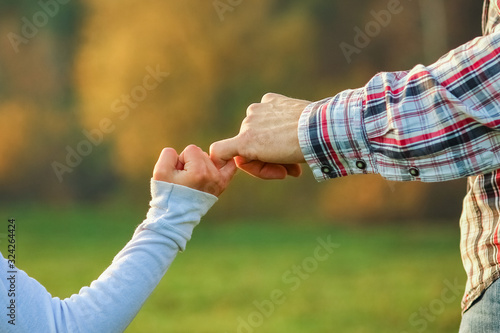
(432, 123)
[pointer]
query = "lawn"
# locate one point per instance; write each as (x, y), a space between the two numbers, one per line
(262, 276)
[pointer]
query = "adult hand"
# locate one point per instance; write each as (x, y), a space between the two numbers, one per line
(193, 168)
(267, 146)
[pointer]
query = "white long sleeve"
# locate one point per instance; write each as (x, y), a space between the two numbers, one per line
(111, 302)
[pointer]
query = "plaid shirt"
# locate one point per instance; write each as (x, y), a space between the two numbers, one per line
(431, 124)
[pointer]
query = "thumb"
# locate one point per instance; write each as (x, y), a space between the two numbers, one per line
(223, 151)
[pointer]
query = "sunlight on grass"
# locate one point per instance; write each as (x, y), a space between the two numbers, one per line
(373, 282)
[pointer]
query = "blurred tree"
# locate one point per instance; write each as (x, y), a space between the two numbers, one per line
(132, 77)
(434, 29)
(36, 109)
(215, 70)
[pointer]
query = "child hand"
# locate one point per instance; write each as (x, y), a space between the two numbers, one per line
(193, 168)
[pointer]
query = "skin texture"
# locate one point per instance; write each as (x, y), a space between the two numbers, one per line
(267, 145)
(193, 168)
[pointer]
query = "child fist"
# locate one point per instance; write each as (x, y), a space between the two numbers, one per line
(193, 168)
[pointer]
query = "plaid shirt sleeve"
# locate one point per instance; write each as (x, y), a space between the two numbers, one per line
(434, 123)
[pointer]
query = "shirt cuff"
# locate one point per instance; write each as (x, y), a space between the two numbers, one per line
(333, 138)
(176, 210)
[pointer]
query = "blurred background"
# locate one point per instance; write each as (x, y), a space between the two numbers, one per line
(65, 71)
(91, 91)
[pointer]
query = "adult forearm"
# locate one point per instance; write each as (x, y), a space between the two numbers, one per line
(433, 123)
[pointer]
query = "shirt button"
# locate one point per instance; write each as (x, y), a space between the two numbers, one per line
(326, 169)
(361, 165)
(414, 172)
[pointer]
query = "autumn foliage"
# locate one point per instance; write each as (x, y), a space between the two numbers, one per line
(90, 99)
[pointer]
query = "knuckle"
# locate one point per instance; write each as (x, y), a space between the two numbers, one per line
(245, 125)
(252, 108)
(268, 97)
(168, 151)
(192, 147)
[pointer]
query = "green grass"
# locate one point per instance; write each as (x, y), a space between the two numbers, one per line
(375, 280)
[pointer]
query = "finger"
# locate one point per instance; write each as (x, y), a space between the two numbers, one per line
(180, 165)
(293, 170)
(268, 170)
(166, 164)
(223, 151)
(273, 97)
(193, 156)
(262, 170)
(180, 162)
(269, 97)
(227, 171)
